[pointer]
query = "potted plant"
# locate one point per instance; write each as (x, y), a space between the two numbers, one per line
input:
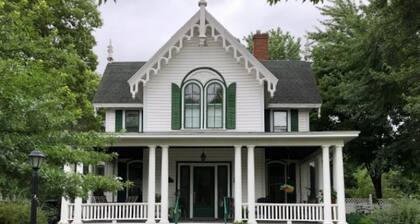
(287, 188)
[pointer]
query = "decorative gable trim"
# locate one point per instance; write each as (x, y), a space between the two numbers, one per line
(194, 27)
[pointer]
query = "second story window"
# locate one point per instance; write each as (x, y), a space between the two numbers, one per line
(192, 106)
(203, 101)
(214, 105)
(132, 120)
(279, 121)
(129, 120)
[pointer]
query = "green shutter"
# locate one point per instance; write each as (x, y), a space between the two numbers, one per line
(118, 120)
(176, 107)
(294, 120)
(231, 106)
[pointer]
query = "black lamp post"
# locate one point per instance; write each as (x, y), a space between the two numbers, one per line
(36, 159)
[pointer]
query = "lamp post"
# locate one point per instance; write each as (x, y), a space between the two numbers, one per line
(35, 157)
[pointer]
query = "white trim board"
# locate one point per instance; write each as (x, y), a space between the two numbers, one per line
(117, 105)
(217, 32)
(227, 139)
(294, 105)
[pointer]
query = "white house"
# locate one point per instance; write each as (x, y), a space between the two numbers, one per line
(218, 132)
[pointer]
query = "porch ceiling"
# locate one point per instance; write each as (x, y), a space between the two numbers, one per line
(223, 139)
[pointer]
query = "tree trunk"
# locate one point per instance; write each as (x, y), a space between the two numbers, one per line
(377, 184)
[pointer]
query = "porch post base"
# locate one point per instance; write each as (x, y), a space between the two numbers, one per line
(289, 222)
(164, 221)
(63, 222)
(341, 222)
(150, 221)
(327, 222)
(252, 221)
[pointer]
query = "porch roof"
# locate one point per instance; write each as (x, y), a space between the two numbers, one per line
(223, 139)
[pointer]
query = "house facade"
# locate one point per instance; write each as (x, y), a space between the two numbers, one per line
(207, 131)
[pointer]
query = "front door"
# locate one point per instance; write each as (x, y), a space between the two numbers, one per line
(203, 195)
(202, 187)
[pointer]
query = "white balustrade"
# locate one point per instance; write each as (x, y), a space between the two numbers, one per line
(114, 211)
(245, 211)
(70, 211)
(289, 212)
(334, 208)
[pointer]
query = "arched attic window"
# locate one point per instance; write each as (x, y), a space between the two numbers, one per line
(192, 105)
(214, 105)
(203, 101)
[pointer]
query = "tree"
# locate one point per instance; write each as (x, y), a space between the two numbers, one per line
(273, 2)
(281, 46)
(47, 82)
(366, 62)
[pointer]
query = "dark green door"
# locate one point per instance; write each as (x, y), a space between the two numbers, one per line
(203, 192)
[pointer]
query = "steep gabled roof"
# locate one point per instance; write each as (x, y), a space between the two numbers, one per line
(207, 27)
(113, 87)
(296, 83)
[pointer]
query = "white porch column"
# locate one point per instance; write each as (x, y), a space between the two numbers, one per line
(251, 185)
(164, 185)
(339, 175)
(326, 184)
(151, 185)
(78, 200)
(64, 213)
(238, 183)
(90, 193)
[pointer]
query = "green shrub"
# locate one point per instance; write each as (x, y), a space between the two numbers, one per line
(18, 213)
(358, 218)
(402, 211)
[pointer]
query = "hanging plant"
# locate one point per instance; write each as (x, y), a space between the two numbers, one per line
(287, 188)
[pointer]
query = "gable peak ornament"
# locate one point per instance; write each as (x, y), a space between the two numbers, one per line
(202, 36)
(110, 52)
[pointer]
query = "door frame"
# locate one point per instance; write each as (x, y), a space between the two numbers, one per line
(213, 164)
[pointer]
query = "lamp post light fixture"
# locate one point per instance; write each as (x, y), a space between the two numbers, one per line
(35, 157)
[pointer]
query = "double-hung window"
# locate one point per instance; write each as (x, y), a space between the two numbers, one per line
(192, 106)
(214, 106)
(132, 120)
(280, 121)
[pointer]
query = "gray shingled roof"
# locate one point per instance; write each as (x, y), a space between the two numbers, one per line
(114, 88)
(296, 83)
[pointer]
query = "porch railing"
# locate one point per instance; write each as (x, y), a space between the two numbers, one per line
(114, 211)
(289, 212)
(70, 212)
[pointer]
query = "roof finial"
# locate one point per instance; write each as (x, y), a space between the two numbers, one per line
(202, 36)
(110, 52)
(202, 3)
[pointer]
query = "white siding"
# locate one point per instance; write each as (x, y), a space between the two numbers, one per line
(213, 155)
(249, 93)
(303, 120)
(110, 120)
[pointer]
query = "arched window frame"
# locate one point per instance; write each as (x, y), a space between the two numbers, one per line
(222, 84)
(198, 83)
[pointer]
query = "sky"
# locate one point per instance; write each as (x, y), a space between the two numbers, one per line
(138, 28)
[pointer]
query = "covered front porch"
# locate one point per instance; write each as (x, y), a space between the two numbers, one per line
(215, 177)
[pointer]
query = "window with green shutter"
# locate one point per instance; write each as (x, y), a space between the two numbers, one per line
(231, 106)
(176, 107)
(294, 120)
(118, 120)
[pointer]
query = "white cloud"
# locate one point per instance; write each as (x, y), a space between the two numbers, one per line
(139, 28)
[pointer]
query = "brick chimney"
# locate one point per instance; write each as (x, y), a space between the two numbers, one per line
(260, 46)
